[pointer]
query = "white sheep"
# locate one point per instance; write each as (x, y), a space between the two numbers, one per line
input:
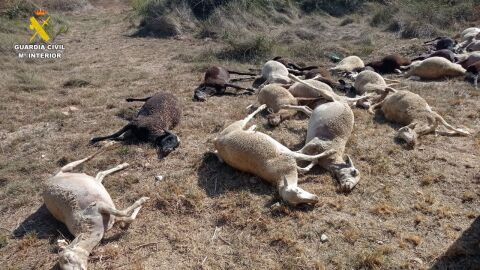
(412, 111)
(369, 81)
(281, 102)
(329, 129)
(259, 154)
(434, 68)
(469, 33)
(321, 91)
(83, 204)
(272, 72)
(349, 64)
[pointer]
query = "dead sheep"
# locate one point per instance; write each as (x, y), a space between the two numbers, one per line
(158, 115)
(216, 81)
(330, 127)
(447, 54)
(389, 64)
(272, 72)
(441, 43)
(83, 204)
(294, 68)
(434, 68)
(369, 81)
(469, 59)
(412, 111)
(349, 64)
(473, 72)
(281, 102)
(257, 153)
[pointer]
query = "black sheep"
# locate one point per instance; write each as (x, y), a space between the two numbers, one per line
(160, 113)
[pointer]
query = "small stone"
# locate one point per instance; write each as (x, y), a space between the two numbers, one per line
(158, 178)
(147, 165)
(275, 206)
(73, 109)
(380, 242)
(66, 113)
(418, 260)
(43, 156)
(324, 238)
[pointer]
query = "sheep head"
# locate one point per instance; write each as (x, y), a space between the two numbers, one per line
(347, 175)
(274, 119)
(295, 195)
(408, 134)
(166, 143)
(203, 91)
(72, 257)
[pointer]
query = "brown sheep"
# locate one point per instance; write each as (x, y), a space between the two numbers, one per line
(389, 64)
(216, 81)
(160, 113)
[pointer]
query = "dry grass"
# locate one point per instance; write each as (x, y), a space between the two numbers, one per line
(409, 203)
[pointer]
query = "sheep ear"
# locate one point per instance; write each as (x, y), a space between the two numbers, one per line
(412, 125)
(349, 161)
(285, 182)
(76, 240)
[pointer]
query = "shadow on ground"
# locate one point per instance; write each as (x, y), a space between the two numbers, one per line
(463, 253)
(43, 225)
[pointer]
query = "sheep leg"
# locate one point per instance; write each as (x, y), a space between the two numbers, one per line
(125, 221)
(242, 73)
(237, 87)
(252, 128)
(70, 166)
(475, 81)
(429, 128)
(247, 119)
(102, 174)
(300, 156)
(458, 131)
(303, 109)
(106, 209)
(324, 93)
(242, 79)
(137, 99)
(375, 106)
(306, 169)
(112, 136)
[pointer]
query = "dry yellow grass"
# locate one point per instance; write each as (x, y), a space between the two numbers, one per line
(425, 197)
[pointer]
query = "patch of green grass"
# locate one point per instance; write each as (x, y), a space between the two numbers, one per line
(248, 50)
(3, 241)
(28, 81)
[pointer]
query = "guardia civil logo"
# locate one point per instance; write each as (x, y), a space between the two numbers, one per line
(40, 42)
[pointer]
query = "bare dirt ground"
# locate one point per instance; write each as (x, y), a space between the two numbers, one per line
(413, 209)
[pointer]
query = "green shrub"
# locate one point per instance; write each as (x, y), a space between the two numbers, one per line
(19, 8)
(249, 50)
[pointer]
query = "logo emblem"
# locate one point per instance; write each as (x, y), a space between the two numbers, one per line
(39, 30)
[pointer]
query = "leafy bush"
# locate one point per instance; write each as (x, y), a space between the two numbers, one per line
(248, 50)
